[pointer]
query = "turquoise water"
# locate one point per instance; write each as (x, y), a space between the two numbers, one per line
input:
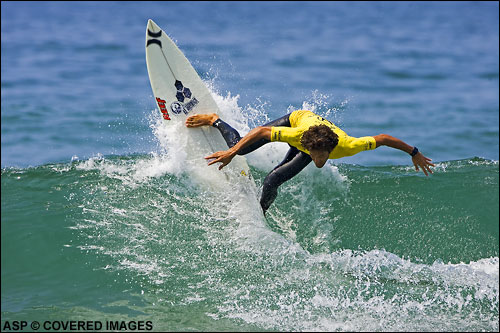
(373, 249)
(101, 222)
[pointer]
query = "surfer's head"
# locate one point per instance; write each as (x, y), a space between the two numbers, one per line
(320, 140)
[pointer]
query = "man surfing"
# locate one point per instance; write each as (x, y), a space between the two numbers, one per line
(310, 137)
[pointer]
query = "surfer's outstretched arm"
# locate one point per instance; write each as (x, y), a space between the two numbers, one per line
(225, 157)
(419, 160)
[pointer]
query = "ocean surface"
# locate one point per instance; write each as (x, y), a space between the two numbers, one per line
(100, 220)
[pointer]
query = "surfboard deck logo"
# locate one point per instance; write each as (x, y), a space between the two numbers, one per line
(183, 94)
(163, 108)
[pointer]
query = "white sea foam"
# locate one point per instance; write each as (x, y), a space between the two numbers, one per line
(373, 290)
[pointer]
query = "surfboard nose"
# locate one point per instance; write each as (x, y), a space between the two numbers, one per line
(153, 26)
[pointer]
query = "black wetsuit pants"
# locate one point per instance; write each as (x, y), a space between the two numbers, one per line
(295, 160)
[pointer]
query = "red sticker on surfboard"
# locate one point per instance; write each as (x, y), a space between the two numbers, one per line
(163, 108)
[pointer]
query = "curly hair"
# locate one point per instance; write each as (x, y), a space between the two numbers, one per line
(319, 137)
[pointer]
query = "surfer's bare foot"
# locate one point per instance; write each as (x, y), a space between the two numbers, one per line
(201, 120)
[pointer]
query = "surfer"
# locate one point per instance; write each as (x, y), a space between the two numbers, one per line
(310, 137)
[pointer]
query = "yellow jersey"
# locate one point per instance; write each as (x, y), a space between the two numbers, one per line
(302, 120)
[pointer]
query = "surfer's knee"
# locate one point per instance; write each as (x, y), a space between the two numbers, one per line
(275, 178)
(270, 190)
(268, 196)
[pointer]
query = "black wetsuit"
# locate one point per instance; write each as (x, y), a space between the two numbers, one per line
(295, 160)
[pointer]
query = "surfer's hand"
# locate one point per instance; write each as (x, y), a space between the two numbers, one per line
(224, 157)
(423, 162)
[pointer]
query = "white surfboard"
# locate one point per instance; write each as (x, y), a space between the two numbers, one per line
(179, 92)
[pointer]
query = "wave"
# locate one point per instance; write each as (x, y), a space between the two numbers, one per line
(345, 247)
(328, 257)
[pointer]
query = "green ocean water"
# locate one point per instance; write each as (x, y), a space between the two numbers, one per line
(371, 248)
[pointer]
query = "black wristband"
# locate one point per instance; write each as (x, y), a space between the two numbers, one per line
(414, 151)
